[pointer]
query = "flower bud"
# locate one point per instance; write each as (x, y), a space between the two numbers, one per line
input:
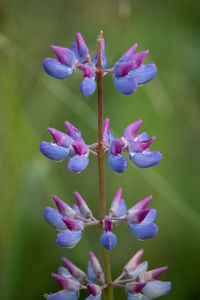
(63, 208)
(153, 274)
(84, 209)
(95, 272)
(66, 283)
(64, 55)
(74, 270)
(133, 262)
(108, 240)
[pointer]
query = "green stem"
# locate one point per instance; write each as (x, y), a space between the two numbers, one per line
(100, 156)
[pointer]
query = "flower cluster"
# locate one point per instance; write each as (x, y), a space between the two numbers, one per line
(73, 146)
(139, 284)
(137, 147)
(128, 72)
(143, 284)
(69, 145)
(72, 280)
(71, 221)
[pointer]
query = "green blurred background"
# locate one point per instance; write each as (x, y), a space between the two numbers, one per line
(31, 101)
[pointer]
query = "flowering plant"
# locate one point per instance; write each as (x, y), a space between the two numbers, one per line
(128, 73)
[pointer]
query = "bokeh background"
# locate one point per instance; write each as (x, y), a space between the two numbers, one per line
(30, 101)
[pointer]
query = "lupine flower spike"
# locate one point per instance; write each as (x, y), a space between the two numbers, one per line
(128, 73)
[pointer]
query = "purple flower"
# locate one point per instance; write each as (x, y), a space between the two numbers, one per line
(67, 145)
(108, 239)
(63, 66)
(74, 270)
(95, 272)
(118, 205)
(137, 146)
(88, 84)
(71, 222)
(141, 220)
(82, 206)
(69, 60)
(129, 71)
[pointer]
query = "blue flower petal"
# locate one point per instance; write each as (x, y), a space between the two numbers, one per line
(155, 289)
(53, 151)
(108, 240)
(143, 231)
(62, 271)
(141, 268)
(54, 68)
(146, 159)
(151, 216)
(88, 86)
(75, 207)
(104, 60)
(111, 137)
(125, 85)
(78, 163)
(91, 274)
(63, 295)
(136, 297)
(122, 209)
(68, 238)
(144, 73)
(118, 163)
(54, 218)
(74, 48)
(143, 136)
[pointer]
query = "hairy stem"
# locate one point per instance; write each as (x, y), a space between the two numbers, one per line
(100, 156)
